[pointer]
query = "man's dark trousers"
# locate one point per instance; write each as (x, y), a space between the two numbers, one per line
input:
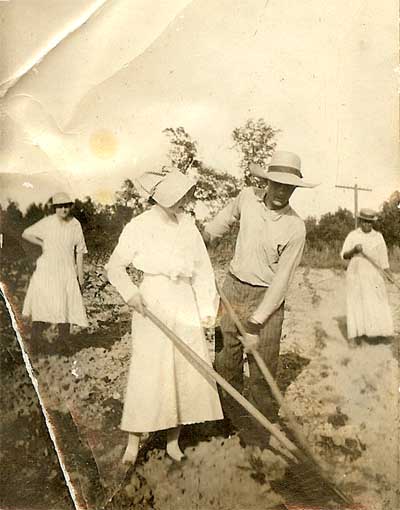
(244, 299)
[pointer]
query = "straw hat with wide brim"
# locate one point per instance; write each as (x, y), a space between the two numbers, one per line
(61, 199)
(367, 215)
(284, 167)
(166, 189)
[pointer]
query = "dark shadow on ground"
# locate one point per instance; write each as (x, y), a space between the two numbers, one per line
(31, 476)
(290, 366)
(102, 338)
(304, 488)
(342, 324)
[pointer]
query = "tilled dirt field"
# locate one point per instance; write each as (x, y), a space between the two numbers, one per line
(345, 397)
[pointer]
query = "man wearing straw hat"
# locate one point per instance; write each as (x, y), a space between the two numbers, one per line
(268, 250)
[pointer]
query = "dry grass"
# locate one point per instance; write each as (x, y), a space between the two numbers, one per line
(325, 258)
(394, 259)
(329, 258)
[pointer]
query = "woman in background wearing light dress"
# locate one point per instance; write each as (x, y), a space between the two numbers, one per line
(368, 311)
(164, 391)
(54, 295)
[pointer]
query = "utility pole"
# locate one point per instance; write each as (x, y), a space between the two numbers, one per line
(356, 189)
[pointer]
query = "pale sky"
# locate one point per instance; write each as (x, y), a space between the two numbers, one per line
(91, 112)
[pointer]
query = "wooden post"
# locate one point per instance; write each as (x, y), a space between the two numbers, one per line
(356, 205)
(356, 189)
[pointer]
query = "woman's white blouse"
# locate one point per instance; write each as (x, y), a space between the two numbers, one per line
(155, 244)
(60, 238)
(373, 245)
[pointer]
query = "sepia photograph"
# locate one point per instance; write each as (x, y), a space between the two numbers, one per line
(199, 255)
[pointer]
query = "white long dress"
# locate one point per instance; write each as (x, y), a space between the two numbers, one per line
(368, 309)
(53, 293)
(164, 389)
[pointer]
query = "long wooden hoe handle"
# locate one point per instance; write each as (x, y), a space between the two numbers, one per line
(268, 377)
(203, 367)
(310, 457)
(382, 272)
(206, 370)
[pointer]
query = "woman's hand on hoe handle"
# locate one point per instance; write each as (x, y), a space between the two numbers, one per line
(137, 303)
(354, 251)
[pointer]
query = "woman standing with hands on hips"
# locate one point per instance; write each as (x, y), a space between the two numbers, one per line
(54, 295)
(164, 391)
(368, 311)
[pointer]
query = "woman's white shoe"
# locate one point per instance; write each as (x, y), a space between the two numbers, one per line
(132, 449)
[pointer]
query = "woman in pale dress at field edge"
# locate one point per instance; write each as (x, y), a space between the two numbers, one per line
(164, 391)
(368, 310)
(54, 295)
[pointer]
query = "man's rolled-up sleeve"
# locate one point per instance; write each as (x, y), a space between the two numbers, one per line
(276, 293)
(222, 222)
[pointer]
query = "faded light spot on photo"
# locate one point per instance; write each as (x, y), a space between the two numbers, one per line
(103, 144)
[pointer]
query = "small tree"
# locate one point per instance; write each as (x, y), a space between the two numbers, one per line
(330, 230)
(311, 223)
(255, 142)
(11, 226)
(389, 220)
(34, 213)
(183, 150)
(13, 215)
(85, 211)
(128, 196)
(215, 189)
(334, 227)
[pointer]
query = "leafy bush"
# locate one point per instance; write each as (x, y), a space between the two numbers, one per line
(330, 230)
(389, 219)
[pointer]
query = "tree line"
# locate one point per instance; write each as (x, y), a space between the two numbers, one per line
(255, 142)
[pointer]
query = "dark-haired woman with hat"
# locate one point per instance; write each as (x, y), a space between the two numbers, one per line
(54, 294)
(368, 310)
(164, 391)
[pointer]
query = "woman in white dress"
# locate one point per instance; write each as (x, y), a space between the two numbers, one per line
(164, 391)
(54, 295)
(368, 310)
